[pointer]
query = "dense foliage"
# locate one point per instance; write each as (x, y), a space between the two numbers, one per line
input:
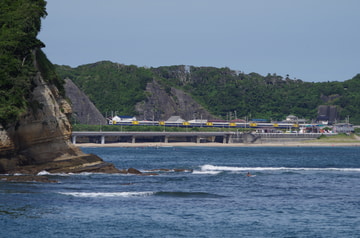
(20, 22)
(112, 87)
(224, 92)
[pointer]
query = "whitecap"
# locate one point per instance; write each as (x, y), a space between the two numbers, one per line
(107, 194)
(43, 172)
(206, 172)
(213, 168)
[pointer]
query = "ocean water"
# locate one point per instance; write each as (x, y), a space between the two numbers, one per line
(294, 192)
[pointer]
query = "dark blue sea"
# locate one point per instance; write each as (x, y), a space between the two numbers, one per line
(199, 192)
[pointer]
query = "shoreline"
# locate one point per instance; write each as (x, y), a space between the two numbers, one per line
(191, 144)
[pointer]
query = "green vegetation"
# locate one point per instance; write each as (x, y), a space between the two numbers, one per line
(20, 22)
(220, 90)
(251, 95)
(116, 87)
(341, 138)
(110, 86)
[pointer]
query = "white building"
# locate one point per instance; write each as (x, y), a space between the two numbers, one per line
(175, 119)
(119, 119)
(343, 128)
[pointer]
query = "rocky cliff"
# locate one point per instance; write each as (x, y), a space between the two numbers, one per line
(163, 103)
(40, 139)
(84, 111)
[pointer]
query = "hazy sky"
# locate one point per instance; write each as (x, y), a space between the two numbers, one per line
(312, 40)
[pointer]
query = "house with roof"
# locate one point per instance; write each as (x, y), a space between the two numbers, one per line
(121, 119)
(175, 119)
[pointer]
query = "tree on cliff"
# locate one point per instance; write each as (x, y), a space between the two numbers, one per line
(20, 22)
(32, 105)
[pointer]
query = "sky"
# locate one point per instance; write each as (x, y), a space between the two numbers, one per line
(311, 40)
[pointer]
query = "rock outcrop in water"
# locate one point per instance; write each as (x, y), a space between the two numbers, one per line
(40, 139)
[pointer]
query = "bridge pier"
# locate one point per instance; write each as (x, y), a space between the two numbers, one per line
(74, 140)
(166, 137)
(230, 140)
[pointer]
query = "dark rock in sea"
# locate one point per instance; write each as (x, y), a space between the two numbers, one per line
(182, 170)
(26, 178)
(133, 171)
(159, 170)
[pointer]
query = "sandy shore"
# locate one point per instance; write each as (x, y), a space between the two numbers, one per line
(185, 144)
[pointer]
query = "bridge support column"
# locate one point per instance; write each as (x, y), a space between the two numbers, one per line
(230, 141)
(74, 140)
(198, 138)
(224, 139)
(102, 140)
(166, 139)
(133, 139)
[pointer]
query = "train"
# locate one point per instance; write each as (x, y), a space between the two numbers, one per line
(212, 123)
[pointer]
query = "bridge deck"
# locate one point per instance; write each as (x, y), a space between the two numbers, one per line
(225, 137)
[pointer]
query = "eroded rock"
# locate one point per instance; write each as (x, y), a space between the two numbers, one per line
(40, 139)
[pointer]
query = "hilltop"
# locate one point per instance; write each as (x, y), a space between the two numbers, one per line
(208, 92)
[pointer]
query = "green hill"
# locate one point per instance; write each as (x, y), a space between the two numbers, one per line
(156, 92)
(223, 92)
(110, 86)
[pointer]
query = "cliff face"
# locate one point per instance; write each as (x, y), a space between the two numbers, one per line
(84, 111)
(162, 104)
(40, 139)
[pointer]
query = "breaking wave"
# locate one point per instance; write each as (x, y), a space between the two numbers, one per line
(140, 194)
(212, 169)
(107, 194)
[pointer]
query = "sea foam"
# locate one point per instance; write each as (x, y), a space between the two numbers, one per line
(217, 169)
(107, 194)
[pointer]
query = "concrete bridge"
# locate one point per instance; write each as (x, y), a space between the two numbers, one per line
(195, 137)
(224, 137)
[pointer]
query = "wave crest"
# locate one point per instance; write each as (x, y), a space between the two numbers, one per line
(107, 194)
(217, 169)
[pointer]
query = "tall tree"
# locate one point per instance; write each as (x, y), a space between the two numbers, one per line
(20, 22)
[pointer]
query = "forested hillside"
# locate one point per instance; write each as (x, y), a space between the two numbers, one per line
(20, 23)
(111, 87)
(223, 92)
